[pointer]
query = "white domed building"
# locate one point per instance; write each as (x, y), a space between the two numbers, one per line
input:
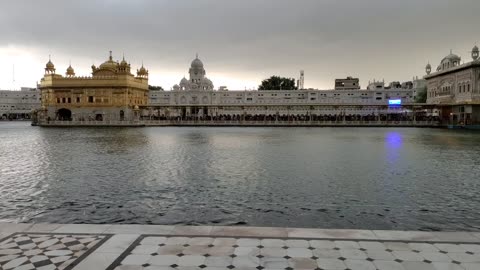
(197, 80)
(456, 86)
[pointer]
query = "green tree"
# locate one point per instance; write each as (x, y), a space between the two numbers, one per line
(278, 83)
(153, 87)
(421, 95)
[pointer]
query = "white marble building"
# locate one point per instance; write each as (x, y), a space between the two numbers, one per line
(456, 87)
(19, 104)
(197, 81)
(197, 97)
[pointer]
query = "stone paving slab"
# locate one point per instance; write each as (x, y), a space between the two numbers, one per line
(243, 231)
(257, 253)
(132, 247)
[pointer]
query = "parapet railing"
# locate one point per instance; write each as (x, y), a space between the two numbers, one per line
(286, 123)
(89, 123)
(235, 123)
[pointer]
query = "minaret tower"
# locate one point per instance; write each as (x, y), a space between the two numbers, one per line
(301, 81)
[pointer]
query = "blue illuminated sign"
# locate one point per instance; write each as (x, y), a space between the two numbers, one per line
(394, 102)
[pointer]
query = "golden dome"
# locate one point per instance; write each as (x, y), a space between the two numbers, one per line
(123, 63)
(49, 65)
(70, 71)
(142, 71)
(109, 64)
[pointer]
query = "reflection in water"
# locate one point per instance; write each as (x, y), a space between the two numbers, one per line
(415, 179)
(393, 140)
(393, 145)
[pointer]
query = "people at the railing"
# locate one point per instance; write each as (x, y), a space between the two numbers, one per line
(300, 117)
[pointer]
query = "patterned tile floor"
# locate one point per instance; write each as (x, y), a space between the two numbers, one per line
(152, 252)
(26, 251)
(161, 247)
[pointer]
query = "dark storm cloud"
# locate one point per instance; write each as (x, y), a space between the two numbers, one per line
(251, 39)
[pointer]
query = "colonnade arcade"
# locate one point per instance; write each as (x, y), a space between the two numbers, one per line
(291, 113)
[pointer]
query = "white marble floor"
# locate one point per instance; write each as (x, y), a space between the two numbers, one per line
(160, 252)
(135, 247)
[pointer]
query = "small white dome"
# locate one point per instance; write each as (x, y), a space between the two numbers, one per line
(451, 57)
(184, 81)
(197, 63)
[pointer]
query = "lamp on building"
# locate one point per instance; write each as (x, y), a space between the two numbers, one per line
(428, 69)
(475, 53)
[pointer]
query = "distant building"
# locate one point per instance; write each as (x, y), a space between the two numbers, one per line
(19, 104)
(197, 79)
(189, 101)
(347, 84)
(457, 87)
(414, 85)
(111, 93)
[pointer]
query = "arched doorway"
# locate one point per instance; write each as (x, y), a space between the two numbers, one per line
(99, 117)
(122, 115)
(64, 115)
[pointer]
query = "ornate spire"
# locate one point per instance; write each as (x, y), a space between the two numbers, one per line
(49, 67)
(142, 72)
(110, 58)
(70, 72)
(123, 63)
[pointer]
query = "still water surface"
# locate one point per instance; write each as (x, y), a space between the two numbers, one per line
(363, 178)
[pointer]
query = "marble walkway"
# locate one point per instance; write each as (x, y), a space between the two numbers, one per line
(135, 247)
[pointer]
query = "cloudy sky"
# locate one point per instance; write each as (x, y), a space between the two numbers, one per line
(240, 42)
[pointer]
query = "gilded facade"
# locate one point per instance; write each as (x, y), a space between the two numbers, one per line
(112, 93)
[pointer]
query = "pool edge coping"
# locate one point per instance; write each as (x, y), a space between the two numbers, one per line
(7, 229)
